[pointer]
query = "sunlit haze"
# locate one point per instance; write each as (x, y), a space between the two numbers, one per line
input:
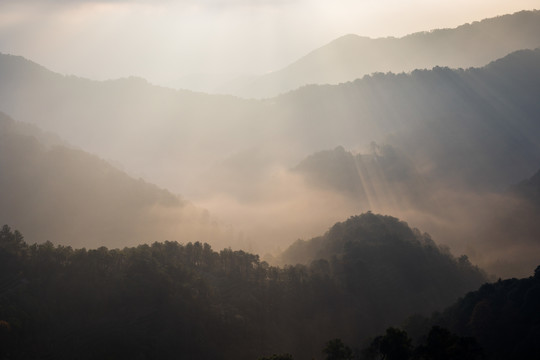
(270, 179)
(163, 41)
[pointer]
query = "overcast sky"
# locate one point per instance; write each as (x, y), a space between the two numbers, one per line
(164, 39)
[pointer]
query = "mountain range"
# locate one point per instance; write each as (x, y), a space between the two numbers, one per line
(215, 223)
(489, 110)
(429, 146)
(351, 56)
(459, 132)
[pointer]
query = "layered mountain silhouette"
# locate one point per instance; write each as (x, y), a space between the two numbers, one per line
(456, 123)
(453, 135)
(123, 119)
(475, 125)
(438, 129)
(352, 56)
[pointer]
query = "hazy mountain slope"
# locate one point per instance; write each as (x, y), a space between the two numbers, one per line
(74, 198)
(440, 117)
(351, 56)
(382, 177)
(515, 228)
(472, 127)
(128, 120)
(529, 189)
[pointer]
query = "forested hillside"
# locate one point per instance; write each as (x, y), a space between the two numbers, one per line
(160, 300)
(503, 316)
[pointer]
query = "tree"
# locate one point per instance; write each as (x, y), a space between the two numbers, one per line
(394, 345)
(441, 344)
(337, 350)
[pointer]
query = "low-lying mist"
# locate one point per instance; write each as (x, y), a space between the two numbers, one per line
(278, 210)
(496, 230)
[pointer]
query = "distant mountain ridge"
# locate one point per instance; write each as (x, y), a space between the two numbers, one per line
(351, 56)
(123, 119)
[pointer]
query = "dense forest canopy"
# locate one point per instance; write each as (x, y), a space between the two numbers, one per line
(503, 316)
(158, 300)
